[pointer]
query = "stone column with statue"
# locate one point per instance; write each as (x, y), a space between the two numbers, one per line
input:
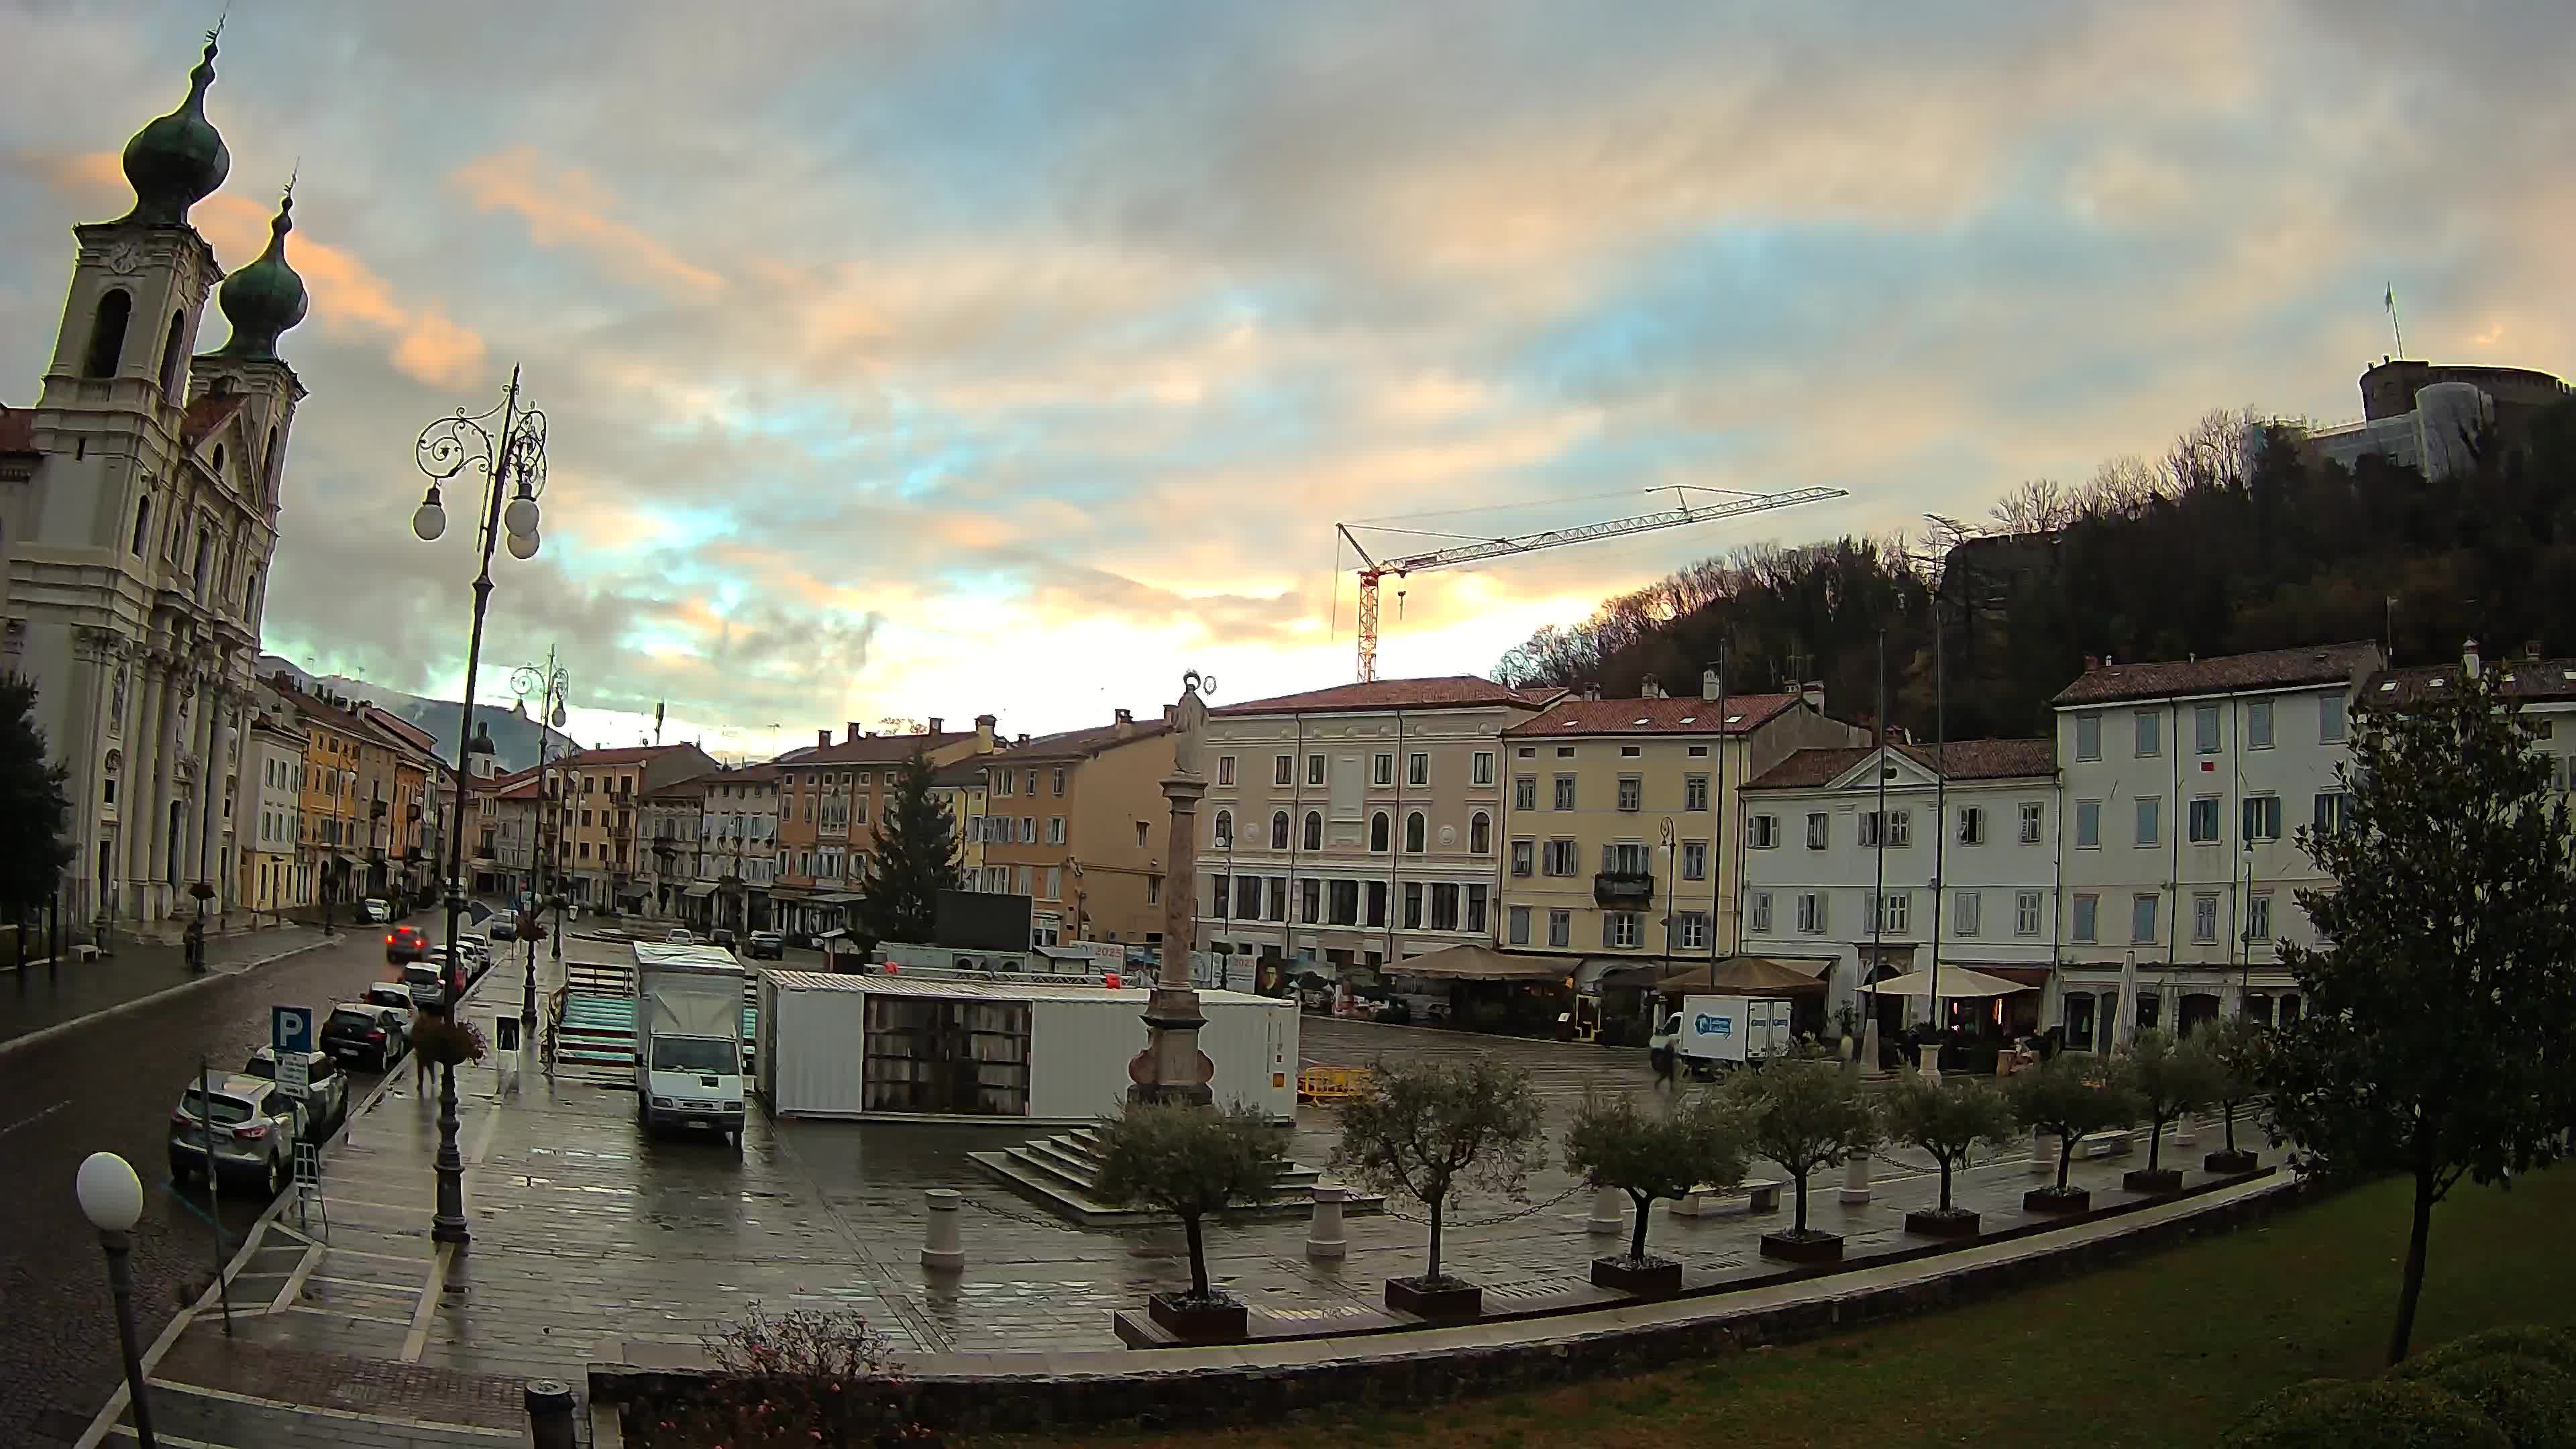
(1171, 1068)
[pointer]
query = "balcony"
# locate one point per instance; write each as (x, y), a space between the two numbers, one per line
(1623, 889)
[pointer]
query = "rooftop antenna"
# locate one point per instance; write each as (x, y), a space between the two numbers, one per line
(2388, 299)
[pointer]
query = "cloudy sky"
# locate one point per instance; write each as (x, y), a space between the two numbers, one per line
(931, 358)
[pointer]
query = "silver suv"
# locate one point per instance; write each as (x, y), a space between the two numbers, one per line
(253, 1126)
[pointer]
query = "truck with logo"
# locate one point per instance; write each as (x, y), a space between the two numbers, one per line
(688, 1039)
(1710, 1033)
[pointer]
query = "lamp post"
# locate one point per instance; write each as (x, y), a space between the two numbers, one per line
(111, 1197)
(549, 684)
(512, 458)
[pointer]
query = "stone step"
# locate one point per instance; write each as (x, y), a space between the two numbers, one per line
(1080, 1201)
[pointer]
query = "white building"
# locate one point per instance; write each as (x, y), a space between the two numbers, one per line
(140, 517)
(2184, 783)
(274, 877)
(1354, 826)
(738, 849)
(1961, 869)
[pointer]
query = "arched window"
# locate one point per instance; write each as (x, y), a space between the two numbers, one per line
(205, 558)
(1480, 834)
(1378, 832)
(1414, 828)
(174, 355)
(268, 461)
(1225, 830)
(142, 524)
(1314, 830)
(1279, 830)
(107, 334)
(219, 460)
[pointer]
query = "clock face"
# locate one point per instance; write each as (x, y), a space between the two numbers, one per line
(125, 258)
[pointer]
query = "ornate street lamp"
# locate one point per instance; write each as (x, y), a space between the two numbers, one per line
(111, 1197)
(550, 684)
(512, 462)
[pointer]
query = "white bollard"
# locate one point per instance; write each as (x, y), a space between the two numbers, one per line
(1325, 1240)
(2043, 1154)
(1931, 1062)
(1855, 1189)
(2185, 1134)
(940, 1245)
(1609, 1212)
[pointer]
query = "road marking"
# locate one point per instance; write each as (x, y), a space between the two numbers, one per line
(345, 1316)
(480, 1431)
(124, 1432)
(398, 1290)
(32, 1121)
(295, 1280)
(418, 1338)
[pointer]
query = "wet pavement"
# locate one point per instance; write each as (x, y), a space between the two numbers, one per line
(587, 1236)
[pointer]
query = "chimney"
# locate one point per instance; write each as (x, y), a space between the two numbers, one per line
(2531, 650)
(984, 733)
(1650, 688)
(2469, 658)
(1709, 688)
(1022, 740)
(822, 738)
(935, 723)
(856, 732)
(1126, 723)
(1813, 691)
(2092, 663)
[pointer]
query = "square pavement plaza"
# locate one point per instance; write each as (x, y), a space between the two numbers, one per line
(587, 1236)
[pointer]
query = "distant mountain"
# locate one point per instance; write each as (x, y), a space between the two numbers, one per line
(517, 739)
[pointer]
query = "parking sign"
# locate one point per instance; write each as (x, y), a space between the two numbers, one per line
(290, 1029)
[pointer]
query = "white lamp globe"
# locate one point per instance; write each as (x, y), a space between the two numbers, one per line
(523, 545)
(429, 520)
(111, 1196)
(521, 516)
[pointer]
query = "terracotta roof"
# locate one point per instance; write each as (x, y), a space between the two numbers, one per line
(1453, 691)
(1966, 759)
(2520, 679)
(1084, 743)
(2271, 669)
(872, 749)
(207, 414)
(17, 430)
(966, 774)
(627, 755)
(1664, 716)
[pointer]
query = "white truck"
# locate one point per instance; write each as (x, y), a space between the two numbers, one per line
(1710, 1031)
(688, 1039)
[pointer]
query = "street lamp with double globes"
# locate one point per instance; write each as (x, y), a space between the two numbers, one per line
(512, 462)
(550, 684)
(111, 1197)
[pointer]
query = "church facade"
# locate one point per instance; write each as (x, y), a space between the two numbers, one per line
(139, 498)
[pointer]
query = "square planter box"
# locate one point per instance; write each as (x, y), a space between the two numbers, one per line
(2159, 1180)
(2050, 1200)
(1654, 1278)
(1449, 1300)
(2230, 1164)
(1198, 1322)
(1934, 1223)
(1814, 1247)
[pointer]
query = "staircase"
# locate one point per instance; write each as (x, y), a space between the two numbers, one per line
(594, 1035)
(1063, 1173)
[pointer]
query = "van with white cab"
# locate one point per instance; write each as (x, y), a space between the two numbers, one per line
(688, 1039)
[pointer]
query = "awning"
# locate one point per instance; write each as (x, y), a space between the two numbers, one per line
(1483, 963)
(700, 891)
(1748, 975)
(837, 898)
(1956, 982)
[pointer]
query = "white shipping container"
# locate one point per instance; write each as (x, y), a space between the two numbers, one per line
(815, 1048)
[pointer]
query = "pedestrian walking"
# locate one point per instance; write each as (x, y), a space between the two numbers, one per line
(1665, 1063)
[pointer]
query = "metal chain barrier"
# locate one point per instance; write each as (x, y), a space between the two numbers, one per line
(1026, 1219)
(1447, 1223)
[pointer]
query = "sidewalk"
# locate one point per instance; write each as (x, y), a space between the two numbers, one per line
(44, 996)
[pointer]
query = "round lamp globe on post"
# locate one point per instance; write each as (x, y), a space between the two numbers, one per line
(521, 516)
(111, 1196)
(523, 545)
(560, 717)
(429, 520)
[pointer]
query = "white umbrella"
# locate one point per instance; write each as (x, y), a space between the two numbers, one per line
(1957, 983)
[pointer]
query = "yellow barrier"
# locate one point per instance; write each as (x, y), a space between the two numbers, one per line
(1332, 1084)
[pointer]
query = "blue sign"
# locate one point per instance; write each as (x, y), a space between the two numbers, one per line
(1707, 1025)
(290, 1029)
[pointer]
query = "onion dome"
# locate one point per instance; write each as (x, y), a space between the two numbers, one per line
(264, 299)
(178, 160)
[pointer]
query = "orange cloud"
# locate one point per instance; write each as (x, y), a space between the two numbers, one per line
(567, 207)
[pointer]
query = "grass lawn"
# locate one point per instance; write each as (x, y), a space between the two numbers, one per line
(2166, 1350)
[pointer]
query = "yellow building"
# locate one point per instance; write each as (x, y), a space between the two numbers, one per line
(332, 843)
(604, 866)
(961, 789)
(1622, 818)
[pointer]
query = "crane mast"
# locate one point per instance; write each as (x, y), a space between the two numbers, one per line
(1373, 570)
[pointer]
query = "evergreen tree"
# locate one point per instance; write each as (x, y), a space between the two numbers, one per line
(916, 859)
(2442, 1008)
(35, 813)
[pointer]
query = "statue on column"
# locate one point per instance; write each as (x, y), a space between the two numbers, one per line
(1189, 722)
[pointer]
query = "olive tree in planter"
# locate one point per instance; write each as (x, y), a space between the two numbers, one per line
(2238, 1048)
(1190, 1162)
(1428, 1130)
(1951, 1118)
(1614, 1142)
(2170, 1078)
(1806, 1114)
(2070, 1096)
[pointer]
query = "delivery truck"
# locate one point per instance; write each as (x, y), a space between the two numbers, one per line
(688, 1039)
(1714, 1032)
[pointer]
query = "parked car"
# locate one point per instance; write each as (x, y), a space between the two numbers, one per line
(478, 956)
(765, 946)
(390, 993)
(250, 1125)
(721, 937)
(404, 943)
(679, 936)
(426, 980)
(325, 1098)
(504, 928)
(367, 1033)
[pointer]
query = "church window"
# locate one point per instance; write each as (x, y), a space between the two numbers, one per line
(219, 460)
(269, 461)
(205, 557)
(174, 354)
(142, 523)
(107, 334)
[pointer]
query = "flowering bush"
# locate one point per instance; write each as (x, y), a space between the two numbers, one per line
(447, 1042)
(805, 1377)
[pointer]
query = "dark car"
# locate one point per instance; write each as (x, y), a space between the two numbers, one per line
(404, 943)
(504, 929)
(363, 1033)
(765, 946)
(722, 936)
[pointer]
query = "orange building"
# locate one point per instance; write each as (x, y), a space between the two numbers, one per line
(1076, 822)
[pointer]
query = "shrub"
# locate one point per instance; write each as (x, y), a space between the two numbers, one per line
(1806, 1114)
(1189, 1162)
(2373, 1414)
(1614, 1142)
(2553, 1346)
(2532, 1401)
(2170, 1077)
(1950, 1119)
(2060, 1096)
(1428, 1129)
(801, 1378)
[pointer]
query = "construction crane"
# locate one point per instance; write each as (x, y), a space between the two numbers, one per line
(1472, 550)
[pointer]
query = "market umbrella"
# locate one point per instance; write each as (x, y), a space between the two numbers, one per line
(1957, 983)
(1748, 975)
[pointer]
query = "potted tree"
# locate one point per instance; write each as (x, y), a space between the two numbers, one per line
(2239, 1048)
(1190, 1162)
(1805, 1113)
(2064, 1097)
(1429, 1129)
(1951, 1119)
(1615, 1143)
(2170, 1079)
